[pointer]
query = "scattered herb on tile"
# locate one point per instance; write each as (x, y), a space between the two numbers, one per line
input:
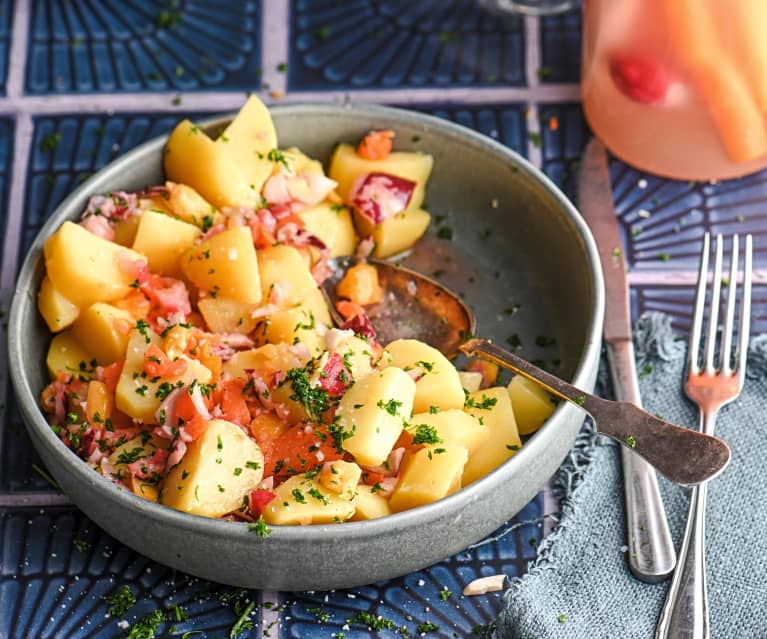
(120, 602)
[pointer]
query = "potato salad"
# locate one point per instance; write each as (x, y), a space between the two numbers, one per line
(194, 361)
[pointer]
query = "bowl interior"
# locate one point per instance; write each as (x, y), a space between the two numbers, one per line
(520, 255)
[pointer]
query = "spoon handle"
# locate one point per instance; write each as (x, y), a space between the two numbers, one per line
(682, 455)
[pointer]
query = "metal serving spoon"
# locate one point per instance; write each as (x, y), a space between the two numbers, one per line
(416, 306)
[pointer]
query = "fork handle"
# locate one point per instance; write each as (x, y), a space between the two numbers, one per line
(685, 613)
(651, 554)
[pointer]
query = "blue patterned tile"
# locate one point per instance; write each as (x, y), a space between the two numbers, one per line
(561, 48)
(415, 599)
(58, 571)
(402, 43)
(664, 220)
(677, 301)
(68, 149)
(564, 134)
(143, 45)
(504, 123)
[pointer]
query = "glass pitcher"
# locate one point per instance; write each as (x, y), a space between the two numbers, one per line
(678, 87)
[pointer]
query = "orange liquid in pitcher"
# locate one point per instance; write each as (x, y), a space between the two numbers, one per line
(678, 87)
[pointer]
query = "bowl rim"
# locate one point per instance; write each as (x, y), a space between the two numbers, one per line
(33, 416)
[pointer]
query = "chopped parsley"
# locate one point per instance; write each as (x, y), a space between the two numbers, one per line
(120, 602)
(316, 494)
(426, 627)
(278, 157)
(425, 434)
(371, 621)
(252, 465)
(141, 327)
(485, 404)
(390, 406)
(298, 496)
(80, 544)
(237, 471)
(433, 409)
(562, 618)
(130, 456)
(580, 400)
(207, 222)
(445, 594)
(631, 441)
(315, 400)
(243, 622)
(645, 371)
(145, 627)
(50, 142)
(260, 528)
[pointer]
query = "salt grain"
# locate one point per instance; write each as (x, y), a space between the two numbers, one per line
(642, 184)
(643, 213)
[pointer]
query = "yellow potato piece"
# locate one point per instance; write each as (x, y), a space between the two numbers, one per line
(57, 311)
(439, 384)
(125, 230)
(224, 315)
(346, 165)
(188, 205)
(370, 504)
(302, 501)
(333, 225)
(531, 404)
(454, 427)
(294, 325)
(492, 407)
(283, 266)
(136, 394)
(163, 239)
(341, 477)
(192, 158)
(354, 351)
(225, 265)
(395, 234)
(140, 447)
(220, 468)
(269, 357)
(65, 355)
(431, 473)
(86, 268)
(248, 139)
(101, 329)
(373, 412)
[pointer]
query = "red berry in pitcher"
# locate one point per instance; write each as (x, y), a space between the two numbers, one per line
(640, 78)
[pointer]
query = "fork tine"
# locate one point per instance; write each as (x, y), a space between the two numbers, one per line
(745, 308)
(713, 320)
(700, 301)
(725, 357)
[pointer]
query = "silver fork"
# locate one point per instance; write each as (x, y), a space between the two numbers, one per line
(711, 385)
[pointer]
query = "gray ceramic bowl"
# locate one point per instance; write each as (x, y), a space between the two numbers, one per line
(524, 259)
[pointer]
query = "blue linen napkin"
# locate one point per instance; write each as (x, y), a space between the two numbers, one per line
(580, 585)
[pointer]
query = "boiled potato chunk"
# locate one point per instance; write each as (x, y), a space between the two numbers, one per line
(57, 311)
(354, 351)
(163, 239)
(439, 384)
(431, 473)
(103, 329)
(219, 468)
(454, 427)
(224, 315)
(248, 140)
(136, 394)
(370, 504)
(302, 501)
(192, 158)
(183, 202)
(65, 355)
(86, 268)
(294, 325)
(492, 407)
(141, 447)
(284, 267)
(225, 265)
(333, 225)
(268, 358)
(531, 404)
(125, 230)
(346, 165)
(395, 234)
(341, 477)
(372, 414)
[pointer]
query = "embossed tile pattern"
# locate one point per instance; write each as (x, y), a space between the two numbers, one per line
(402, 43)
(104, 46)
(561, 48)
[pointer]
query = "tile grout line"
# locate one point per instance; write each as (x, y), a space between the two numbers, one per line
(231, 100)
(271, 615)
(532, 64)
(275, 36)
(17, 54)
(15, 210)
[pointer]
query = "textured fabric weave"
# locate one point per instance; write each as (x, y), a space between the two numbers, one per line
(580, 585)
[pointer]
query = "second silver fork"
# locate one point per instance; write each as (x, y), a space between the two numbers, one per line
(711, 384)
